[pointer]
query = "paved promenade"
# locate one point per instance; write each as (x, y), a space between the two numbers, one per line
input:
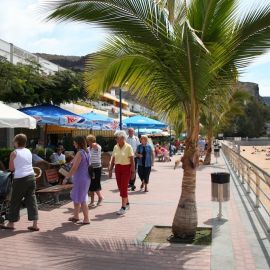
(113, 242)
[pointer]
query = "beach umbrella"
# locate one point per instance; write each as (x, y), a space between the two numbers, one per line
(97, 118)
(47, 114)
(150, 131)
(12, 118)
(101, 122)
(139, 122)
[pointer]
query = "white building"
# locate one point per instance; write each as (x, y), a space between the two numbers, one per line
(16, 55)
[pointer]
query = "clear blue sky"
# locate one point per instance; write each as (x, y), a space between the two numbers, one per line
(21, 24)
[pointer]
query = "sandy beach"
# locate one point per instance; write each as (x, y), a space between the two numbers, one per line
(259, 155)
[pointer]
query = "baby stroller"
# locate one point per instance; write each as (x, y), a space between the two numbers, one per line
(5, 191)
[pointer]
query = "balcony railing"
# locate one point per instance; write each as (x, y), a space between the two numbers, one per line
(255, 181)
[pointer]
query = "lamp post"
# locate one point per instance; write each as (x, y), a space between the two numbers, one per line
(120, 109)
(121, 105)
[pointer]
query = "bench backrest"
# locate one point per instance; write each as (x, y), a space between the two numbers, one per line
(52, 176)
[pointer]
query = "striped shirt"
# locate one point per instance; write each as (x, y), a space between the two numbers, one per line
(95, 156)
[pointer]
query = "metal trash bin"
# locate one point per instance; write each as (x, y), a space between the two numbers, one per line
(216, 151)
(220, 186)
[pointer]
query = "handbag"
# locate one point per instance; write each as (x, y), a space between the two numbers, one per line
(6, 178)
(65, 169)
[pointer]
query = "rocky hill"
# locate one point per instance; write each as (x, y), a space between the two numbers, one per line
(267, 100)
(75, 63)
(253, 89)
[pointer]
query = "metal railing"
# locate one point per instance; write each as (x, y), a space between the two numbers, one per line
(255, 180)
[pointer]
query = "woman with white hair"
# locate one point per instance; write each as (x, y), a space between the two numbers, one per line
(123, 160)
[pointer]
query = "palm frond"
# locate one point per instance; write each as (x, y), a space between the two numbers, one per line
(143, 20)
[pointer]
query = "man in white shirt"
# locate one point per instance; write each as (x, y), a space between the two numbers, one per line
(58, 157)
(133, 141)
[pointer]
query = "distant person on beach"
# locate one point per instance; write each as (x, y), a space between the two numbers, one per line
(146, 156)
(95, 170)
(24, 184)
(81, 181)
(123, 160)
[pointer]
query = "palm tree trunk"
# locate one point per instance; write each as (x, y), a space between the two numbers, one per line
(186, 219)
(207, 159)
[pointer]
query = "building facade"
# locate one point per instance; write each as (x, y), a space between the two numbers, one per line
(17, 55)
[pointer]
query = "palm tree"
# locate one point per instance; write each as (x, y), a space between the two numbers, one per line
(174, 60)
(177, 121)
(219, 112)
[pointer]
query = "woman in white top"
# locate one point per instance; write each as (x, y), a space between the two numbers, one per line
(24, 184)
(95, 170)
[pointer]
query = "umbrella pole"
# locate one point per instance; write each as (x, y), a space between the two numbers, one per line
(120, 107)
(170, 141)
(45, 140)
(45, 136)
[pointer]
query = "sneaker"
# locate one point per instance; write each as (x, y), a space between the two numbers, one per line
(127, 207)
(133, 188)
(121, 212)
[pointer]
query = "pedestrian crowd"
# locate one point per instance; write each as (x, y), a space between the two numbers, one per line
(130, 155)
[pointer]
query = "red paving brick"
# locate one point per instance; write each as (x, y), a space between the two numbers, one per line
(108, 243)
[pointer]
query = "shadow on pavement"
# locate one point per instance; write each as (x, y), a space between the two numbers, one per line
(114, 190)
(215, 221)
(111, 215)
(71, 253)
(137, 192)
(10, 233)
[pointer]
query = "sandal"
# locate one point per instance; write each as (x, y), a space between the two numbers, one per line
(73, 219)
(83, 223)
(33, 229)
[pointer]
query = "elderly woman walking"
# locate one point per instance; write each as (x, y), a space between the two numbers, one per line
(81, 180)
(123, 160)
(24, 184)
(146, 156)
(95, 186)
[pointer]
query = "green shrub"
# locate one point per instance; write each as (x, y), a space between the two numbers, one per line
(49, 152)
(107, 144)
(4, 155)
(40, 151)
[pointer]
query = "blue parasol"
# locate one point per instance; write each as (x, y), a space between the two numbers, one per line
(47, 114)
(139, 122)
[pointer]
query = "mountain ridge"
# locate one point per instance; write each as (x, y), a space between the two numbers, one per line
(77, 63)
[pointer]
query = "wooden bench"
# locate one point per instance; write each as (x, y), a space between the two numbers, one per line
(55, 191)
(52, 177)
